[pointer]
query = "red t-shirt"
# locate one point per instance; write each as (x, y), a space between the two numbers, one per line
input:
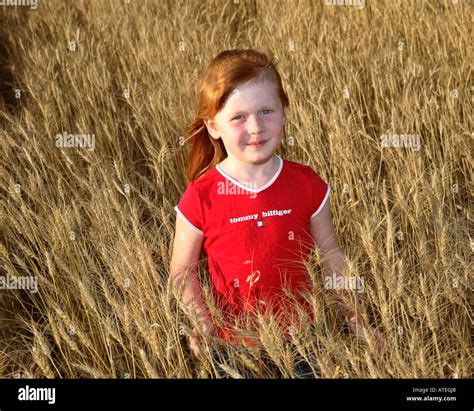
(255, 240)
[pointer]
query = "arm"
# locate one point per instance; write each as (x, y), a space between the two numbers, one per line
(186, 250)
(334, 262)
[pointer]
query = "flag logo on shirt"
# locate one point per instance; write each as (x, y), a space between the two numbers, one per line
(261, 223)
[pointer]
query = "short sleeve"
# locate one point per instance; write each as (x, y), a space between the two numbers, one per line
(190, 209)
(320, 191)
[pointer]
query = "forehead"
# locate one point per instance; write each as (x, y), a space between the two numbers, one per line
(252, 95)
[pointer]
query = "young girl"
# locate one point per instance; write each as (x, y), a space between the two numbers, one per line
(256, 214)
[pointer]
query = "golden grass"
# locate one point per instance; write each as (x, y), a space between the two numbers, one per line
(95, 227)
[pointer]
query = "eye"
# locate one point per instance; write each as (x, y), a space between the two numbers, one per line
(238, 117)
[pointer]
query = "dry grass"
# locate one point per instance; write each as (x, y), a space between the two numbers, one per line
(100, 248)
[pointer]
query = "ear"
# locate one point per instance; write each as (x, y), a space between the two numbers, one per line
(212, 129)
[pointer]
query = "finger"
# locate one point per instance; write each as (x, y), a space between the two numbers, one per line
(195, 348)
(197, 352)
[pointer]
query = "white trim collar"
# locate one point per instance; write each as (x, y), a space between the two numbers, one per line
(244, 187)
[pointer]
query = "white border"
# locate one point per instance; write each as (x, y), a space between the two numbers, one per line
(323, 202)
(188, 222)
(253, 190)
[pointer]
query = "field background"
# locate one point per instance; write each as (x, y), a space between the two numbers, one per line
(96, 227)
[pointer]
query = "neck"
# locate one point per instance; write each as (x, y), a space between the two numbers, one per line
(242, 171)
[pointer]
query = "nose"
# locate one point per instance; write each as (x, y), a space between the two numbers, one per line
(254, 125)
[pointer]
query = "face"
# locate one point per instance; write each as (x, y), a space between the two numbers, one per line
(250, 123)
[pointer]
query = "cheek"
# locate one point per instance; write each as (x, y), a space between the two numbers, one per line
(275, 124)
(236, 135)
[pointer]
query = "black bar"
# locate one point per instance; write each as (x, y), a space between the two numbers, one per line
(455, 394)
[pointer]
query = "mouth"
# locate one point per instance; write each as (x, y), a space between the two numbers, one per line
(257, 144)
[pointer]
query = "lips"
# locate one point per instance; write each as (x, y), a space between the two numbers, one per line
(257, 143)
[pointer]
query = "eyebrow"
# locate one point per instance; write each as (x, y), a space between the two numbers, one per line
(269, 106)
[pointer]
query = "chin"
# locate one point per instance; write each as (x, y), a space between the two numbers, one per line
(260, 158)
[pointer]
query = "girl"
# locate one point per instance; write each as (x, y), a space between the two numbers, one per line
(256, 215)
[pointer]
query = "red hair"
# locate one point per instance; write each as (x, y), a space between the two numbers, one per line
(225, 72)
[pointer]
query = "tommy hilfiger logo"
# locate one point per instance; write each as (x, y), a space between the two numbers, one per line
(261, 221)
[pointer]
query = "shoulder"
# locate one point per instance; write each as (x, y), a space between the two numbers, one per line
(302, 170)
(204, 183)
(309, 185)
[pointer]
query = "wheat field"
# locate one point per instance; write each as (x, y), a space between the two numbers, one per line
(380, 106)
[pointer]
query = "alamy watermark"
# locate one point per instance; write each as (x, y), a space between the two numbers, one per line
(400, 140)
(28, 393)
(344, 282)
(359, 3)
(10, 282)
(75, 140)
(33, 4)
(228, 188)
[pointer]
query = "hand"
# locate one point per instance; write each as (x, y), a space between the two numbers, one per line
(208, 329)
(360, 329)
